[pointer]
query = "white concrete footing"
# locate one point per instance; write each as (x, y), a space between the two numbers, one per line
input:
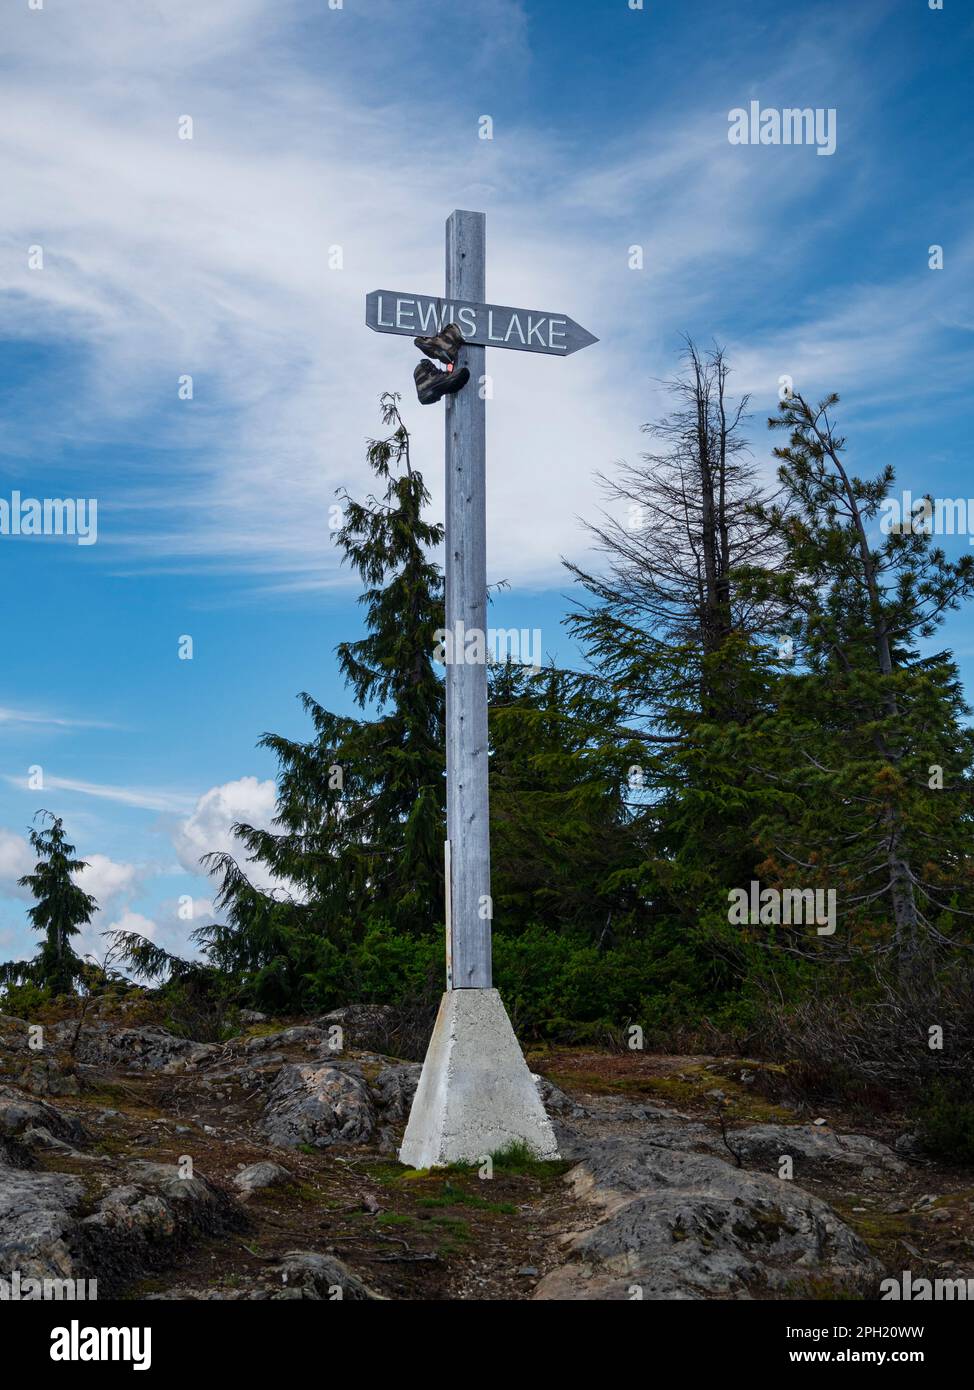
(476, 1093)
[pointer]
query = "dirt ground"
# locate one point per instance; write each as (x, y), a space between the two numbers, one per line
(455, 1234)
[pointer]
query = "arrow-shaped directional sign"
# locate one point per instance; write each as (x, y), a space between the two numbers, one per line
(484, 325)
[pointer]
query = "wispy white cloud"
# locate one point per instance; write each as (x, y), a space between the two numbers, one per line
(16, 717)
(881, 346)
(145, 798)
(210, 257)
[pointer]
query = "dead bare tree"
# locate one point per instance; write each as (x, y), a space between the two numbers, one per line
(685, 516)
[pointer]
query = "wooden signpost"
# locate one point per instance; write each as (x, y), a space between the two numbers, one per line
(454, 1073)
(485, 325)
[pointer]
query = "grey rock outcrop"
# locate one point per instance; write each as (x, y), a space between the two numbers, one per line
(48, 1232)
(140, 1224)
(810, 1148)
(19, 1115)
(257, 1176)
(393, 1091)
(38, 1223)
(148, 1048)
(554, 1100)
(674, 1225)
(288, 1037)
(319, 1104)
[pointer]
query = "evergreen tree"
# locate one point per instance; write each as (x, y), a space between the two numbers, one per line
(60, 910)
(360, 819)
(680, 643)
(868, 752)
(565, 847)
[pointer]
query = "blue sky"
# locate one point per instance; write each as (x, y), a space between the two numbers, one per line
(359, 128)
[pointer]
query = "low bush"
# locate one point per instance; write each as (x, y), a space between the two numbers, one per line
(945, 1124)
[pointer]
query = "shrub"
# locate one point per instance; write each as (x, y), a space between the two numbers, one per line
(946, 1124)
(874, 1033)
(27, 1001)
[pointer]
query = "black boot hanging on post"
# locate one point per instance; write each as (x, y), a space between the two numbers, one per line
(444, 346)
(431, 383)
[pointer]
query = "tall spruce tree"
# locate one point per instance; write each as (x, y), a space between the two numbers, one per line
(868, 751)
(359, 826)
(60, 910)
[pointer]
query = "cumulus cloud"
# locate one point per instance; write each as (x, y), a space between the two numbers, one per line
(192, 910)
(107, 879)
(16, 859)
(116, 884)
(91, 940)
(172, 923)
(134, 921)
(111, 882)
(208, 829)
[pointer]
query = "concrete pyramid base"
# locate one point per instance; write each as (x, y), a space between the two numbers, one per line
(476, 1094)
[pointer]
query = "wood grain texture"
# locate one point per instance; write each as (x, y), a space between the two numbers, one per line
(468, 827)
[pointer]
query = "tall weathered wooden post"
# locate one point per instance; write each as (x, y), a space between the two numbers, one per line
(467, 817)
(475, 1095)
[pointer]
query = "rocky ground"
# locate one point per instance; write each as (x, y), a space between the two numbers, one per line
(265, 1168)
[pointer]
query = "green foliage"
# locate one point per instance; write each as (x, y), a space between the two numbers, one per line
(759, 703)
(515, 1157)
(565, 848)
(565, 986)
(865, 747)
(361, 804)
(25, 1000)
(60, 910)
(380, 967)
(946, 1124)
(201, 1004)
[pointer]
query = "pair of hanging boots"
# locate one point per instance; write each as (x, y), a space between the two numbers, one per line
(431, 383)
